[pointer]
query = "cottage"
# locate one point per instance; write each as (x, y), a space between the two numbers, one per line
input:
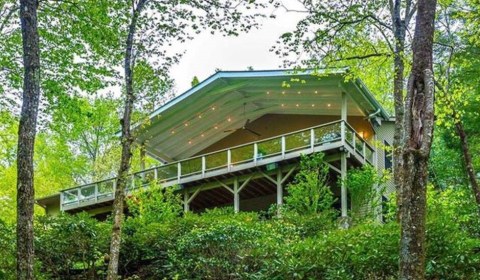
(236, 138)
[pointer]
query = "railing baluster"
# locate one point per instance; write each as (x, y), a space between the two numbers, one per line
(255, 152)
(283, 146)
(78, 196)
(354, 142)
(312, 139)
(229, 160)
(204, 166)
(363, 151)
(96, 192)
(179, 172)
(62, 194)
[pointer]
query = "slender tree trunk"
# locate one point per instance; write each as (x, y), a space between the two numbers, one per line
(26, 138)
(127, 140)
(467, 157)
(418, 124)
(399, 30)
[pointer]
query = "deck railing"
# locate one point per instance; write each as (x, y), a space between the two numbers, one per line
(281, 147)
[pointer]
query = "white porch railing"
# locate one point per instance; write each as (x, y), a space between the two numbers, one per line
(275, 149)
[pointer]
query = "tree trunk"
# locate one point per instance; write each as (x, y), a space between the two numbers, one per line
(467, 157)
(26, 139)
(126, 140)
(399, 30)
(418, 124)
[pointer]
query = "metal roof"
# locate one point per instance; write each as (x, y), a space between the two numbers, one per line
(197, 118)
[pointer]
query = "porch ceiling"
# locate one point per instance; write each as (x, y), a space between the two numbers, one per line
(227, 100)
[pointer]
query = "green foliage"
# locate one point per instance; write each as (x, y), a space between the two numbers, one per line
(365, 186)
(195, 81)
(158, 243)
(309, 193)
(7, 247)
(158, 205)
(67, 243)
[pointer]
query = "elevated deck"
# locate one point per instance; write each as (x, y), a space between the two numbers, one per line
(329, 137)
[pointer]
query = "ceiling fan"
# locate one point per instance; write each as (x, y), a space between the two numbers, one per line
(245, 126)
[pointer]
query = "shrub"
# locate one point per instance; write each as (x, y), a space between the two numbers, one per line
(309, 193)
(71, 244)
(7, 247)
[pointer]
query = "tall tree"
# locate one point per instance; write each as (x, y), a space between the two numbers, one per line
(458, 76)
(355, 34)
(127, 140)
(152, 26)
(418, 124)
(26, 138)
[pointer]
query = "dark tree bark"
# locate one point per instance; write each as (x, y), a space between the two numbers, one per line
(418, 124)
(399, 26)
(399, 30)
(126, 140)
(26, 138)
(467, 158)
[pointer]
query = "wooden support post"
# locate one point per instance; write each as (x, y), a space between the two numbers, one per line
(236, 196)
(279, 188)
(186, 204)
(343, 199)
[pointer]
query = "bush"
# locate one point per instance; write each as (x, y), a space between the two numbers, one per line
(69, 245)
(7, 247)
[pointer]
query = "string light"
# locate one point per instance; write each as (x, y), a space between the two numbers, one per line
(316, 92)
(173, 131)
(299, 92)
(328, 105)
(186, 124)
(216, 127)
(268, 92)
(313, 105)
(283, 92)
(283, 105)
(298, 105)
(229, 119)
(213, 108)
(190, 142)
(199, 116)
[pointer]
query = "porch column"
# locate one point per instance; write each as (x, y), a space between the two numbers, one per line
(236, 196)
(343, 199)
(279, 188)
(186, 204)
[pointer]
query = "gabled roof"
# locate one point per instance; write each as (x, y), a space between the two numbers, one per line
(198, 118)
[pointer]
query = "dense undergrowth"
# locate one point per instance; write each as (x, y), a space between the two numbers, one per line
(301, 240)
(221, 245)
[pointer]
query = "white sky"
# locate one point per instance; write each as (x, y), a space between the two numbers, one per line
(207, 52)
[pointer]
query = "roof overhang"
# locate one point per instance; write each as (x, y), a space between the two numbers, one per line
(226, 100)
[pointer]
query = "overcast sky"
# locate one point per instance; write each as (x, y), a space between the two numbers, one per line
(208, 52)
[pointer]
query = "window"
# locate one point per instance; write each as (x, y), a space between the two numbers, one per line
(388, 155)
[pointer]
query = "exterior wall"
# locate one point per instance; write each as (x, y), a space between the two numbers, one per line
(385, 133)
(276, 124)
